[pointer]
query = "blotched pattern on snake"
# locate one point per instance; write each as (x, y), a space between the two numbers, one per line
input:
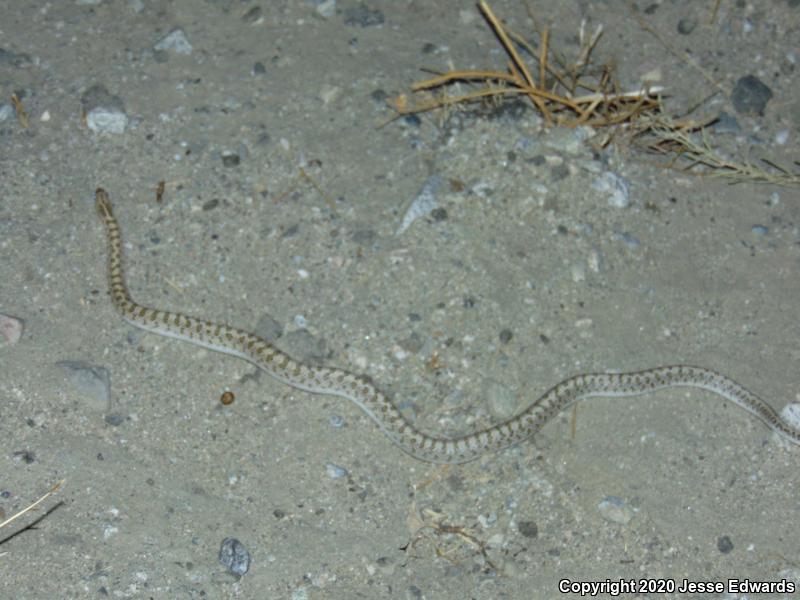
(361, 391)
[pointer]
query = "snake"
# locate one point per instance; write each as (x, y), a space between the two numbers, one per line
(382, 410)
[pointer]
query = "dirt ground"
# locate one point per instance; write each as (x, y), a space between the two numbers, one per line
(287, 209)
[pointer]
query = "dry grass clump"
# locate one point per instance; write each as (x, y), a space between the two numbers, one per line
(577, 92)
(566, 93)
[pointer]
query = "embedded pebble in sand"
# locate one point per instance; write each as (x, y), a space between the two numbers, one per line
(234, 557)
(91, 383)
(10, 330)
(616, 510)
(423, 204)
(105, 112)
(791, 414)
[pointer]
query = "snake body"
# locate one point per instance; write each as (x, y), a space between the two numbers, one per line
(376, 405)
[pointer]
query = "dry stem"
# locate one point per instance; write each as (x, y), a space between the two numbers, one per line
(556, 100)
(33, 505)
(691, 151)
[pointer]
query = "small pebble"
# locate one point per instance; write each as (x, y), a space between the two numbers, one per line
(528, 529)
(11, 330)
(578, 272)
(304, 346)
(114, 419)
(230, 159)
(615, 509)
(336, 421)
(724, 544)
(791, 414)
(234, 557)
(254, 15)
(299, 593)
(423, 204)
(750, 95)
(412, 120)
(686, 25)
(759, 229)
(627, 239)
(14, 59)
(439, 214)
(486, 521)
(595, 260)
(326, 9)
(268, 328)
(91, 383)
(362, 16)
(413, 593)
(105, 113)
(568, 141)
(176, 41)
(329, 93)
(726, 123)
(615, 186)
(6, 112)
(335, 471)
(24, 456)
(502, 402)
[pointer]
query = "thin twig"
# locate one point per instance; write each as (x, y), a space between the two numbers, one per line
(30, 507)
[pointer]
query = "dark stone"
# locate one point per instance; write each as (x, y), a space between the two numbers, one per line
(528, 529)
(114, 419)
(724, 544)
(362, 16)
(234, 557)
(439, 214)
(726, 123)
(252, 15)
(750, 95)
(686, 25)
(230, 160)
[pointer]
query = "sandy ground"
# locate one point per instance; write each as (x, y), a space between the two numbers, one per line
(523, 274)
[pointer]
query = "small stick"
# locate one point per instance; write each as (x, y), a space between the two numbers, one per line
(505, 41)
(52, 491)
(455, 75)
(714, 13)
(328, 200)
(22, 116)
(543, 58)
(160, 191)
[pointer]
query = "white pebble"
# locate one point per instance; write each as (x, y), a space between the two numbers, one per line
(791, 414)
(175, 40)
(615, 509)
(335, 471)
